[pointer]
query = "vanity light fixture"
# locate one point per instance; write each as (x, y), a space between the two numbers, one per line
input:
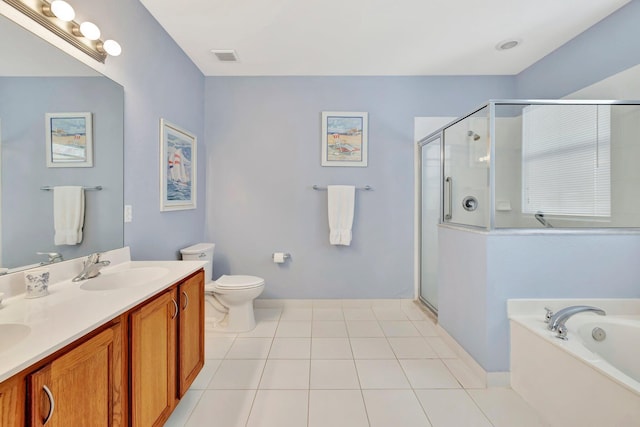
(86, 29)
(58, 17)
(60, 9)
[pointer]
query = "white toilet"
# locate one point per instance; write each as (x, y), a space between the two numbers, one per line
(236, 292)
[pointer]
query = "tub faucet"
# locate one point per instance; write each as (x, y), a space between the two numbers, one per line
(91, 267)
(558, 320)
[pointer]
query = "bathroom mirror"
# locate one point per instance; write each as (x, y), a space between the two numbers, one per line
(36, 79)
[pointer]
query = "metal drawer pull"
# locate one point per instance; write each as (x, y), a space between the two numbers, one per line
(176, 306)
(186, 300)
(52, 404)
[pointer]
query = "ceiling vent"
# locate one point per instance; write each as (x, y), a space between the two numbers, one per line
(225, 55)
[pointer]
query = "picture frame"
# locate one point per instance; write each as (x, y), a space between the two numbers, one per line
(178, 168)
(69, 140)
(344, 138)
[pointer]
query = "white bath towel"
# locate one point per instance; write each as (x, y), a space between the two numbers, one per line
(68, 215)
(341, 200)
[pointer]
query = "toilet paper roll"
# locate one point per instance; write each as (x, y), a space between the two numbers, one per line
(278, 257)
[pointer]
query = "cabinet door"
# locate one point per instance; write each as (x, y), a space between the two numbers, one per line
(12, 394)
(82, 387)
(191, 331)
(153, 360)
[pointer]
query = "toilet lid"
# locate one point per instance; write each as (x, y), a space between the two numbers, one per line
(238, 282)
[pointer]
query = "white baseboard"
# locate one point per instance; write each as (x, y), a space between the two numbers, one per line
(490, 379)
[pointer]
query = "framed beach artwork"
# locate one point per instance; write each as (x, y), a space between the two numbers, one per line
(69, 140)
(177, 168)
(344, 139)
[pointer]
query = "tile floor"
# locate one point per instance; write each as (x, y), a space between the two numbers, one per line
(326, 363)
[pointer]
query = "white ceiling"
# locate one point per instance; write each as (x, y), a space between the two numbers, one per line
(373, 37)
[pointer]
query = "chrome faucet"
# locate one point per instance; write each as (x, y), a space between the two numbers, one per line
(52, 257)
(557, 320)
(91, 267)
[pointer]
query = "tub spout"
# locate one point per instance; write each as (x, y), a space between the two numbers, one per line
(558, 320)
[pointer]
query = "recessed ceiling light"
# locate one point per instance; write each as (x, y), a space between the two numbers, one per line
(225, 55)
(508, 44)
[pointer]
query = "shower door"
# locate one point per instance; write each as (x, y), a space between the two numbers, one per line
(430, 211)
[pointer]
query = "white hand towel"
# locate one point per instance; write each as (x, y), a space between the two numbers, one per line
(341, 202)
(68, 215)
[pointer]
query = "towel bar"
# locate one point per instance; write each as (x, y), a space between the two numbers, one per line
(365, 188)
(96, 188)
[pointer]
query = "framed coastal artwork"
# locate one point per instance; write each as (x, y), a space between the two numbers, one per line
(344, 139)
(69, 140)
(177, 168)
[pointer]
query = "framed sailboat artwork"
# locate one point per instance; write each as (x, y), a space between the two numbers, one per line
(177, 168)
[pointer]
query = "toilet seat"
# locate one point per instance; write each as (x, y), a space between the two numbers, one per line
(235, 282)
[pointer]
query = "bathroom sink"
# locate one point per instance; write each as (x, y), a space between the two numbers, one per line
(12, 334)
(124, 279)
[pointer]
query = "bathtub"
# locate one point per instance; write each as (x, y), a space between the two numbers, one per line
(580, 381)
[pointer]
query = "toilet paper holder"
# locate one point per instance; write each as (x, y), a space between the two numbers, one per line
(284, 255)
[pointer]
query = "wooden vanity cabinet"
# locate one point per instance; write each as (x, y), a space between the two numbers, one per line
(190, 332)
(166, 350)
(12, 408)
(82, 387)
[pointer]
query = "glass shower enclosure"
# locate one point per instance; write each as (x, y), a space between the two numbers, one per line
(531, 166)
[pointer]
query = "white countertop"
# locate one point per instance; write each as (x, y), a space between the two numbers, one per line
(70, 312)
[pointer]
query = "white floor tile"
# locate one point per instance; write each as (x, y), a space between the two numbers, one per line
(237, 375)
(463, 374)
(364, 328)
(267, 314)
(414, 313)
(216, 347)
(389, 313)
(268, 303)
(358, 314)
(505, 408)
(229, 408)
(331, 348)
(334, 375)
(279, 408)
(290, 348)
(381, 374)
(412, 348)
(451, 408)
(442, 350)
(184, 409)
(297, 303)
(398, 328)
(426, 328)
(250, 348)
(285, 375)
(328, 314)
(293, 314)
(356, 303)
(386, 304)
(337, 408)
(387, 408)
(327, 303)
(264, 329)
(291, 329)
(206, 374)
(428, 373)
(371, 348)
(329, 329)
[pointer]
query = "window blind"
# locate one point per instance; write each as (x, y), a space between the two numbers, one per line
(566, 160)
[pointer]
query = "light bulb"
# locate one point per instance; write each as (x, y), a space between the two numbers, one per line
(62, 10)
(90, 30)
(112, 47)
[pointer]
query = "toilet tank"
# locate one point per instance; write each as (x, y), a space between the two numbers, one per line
(201, 252)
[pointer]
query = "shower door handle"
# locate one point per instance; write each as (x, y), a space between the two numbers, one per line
(449, 184)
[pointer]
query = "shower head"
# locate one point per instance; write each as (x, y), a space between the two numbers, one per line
(474, 135)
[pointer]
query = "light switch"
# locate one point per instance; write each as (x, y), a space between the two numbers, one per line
(128, 213)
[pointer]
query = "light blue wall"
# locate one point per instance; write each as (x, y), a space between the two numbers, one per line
(263, 156)
(160, 81)
(27, 214)
(608, 47)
